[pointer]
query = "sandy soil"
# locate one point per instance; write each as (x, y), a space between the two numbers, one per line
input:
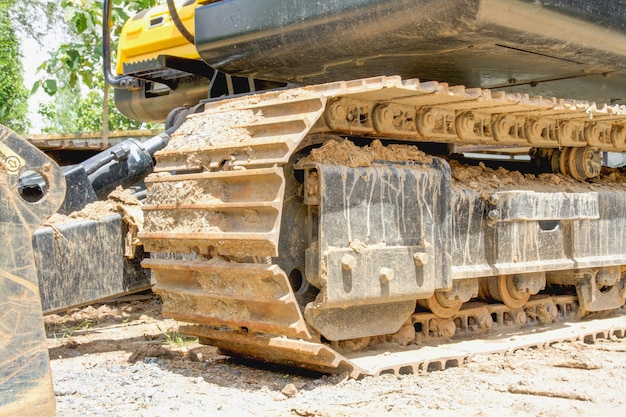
(125, 359)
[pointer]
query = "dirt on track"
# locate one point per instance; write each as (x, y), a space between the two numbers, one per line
(125, 359)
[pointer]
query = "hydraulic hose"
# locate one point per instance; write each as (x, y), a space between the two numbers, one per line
(114, 81)
(171, 7)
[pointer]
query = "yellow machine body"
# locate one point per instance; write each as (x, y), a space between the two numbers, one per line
(152, 32)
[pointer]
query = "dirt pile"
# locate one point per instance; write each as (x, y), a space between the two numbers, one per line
(345, 152)
(476, 176)
(120, 201)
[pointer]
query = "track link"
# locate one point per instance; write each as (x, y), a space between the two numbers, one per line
(453, 352)
(430, 353)
(219, 191)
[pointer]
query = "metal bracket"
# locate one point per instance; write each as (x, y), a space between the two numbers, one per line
(507, 206)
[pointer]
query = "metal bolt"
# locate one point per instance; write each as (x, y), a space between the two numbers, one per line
(493, 214)
(485, 322)
(348, 262)
(519, 317)
(493, 199)
(554, 312)
(428, 120)
(385, 274)
(388, 115)
(340, 111)
(420, 258)
(121, 152)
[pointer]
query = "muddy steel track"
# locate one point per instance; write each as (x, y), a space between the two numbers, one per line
(272, 271)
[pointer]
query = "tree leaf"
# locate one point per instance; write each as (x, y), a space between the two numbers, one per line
(50, 86)
(35, 87)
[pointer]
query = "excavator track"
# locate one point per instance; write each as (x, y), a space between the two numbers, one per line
(309, 272)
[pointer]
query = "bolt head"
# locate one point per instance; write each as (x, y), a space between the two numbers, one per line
(420, 258)
(493, 199)
(485, 322)
(386, 274)
(493, 214)
(348, 262)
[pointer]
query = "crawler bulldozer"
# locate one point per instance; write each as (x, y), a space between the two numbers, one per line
(369, 186)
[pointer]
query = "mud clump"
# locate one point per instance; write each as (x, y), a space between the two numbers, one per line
(345, 152)
(151, 351)
(483, 178)
(480, 177)
(120, 201)
(210, 129)
(475, 176)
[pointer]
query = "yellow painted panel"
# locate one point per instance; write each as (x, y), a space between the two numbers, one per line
(152, 33)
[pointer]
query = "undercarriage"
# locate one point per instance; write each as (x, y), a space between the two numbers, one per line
(306, 227)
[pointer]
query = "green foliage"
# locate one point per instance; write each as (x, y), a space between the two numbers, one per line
(64, 331)
(32, 18)
(77, 66)
(73, 111)
(174, 338)
(13, 94)
(80, 58)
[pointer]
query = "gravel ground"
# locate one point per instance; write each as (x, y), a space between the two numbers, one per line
(126, 360)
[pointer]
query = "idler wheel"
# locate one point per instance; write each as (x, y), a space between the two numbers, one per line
(584, 163)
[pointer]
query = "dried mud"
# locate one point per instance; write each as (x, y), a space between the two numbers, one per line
(483, 178)
(210, 129)
(120, 201)
(184, 221)
(187, 192)
(345, 152)
(479, 177)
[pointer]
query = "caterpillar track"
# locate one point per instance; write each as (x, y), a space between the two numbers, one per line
(272, 240)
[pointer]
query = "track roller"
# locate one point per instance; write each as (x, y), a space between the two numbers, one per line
(446, 304)
(513, 290)
(579, 163)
